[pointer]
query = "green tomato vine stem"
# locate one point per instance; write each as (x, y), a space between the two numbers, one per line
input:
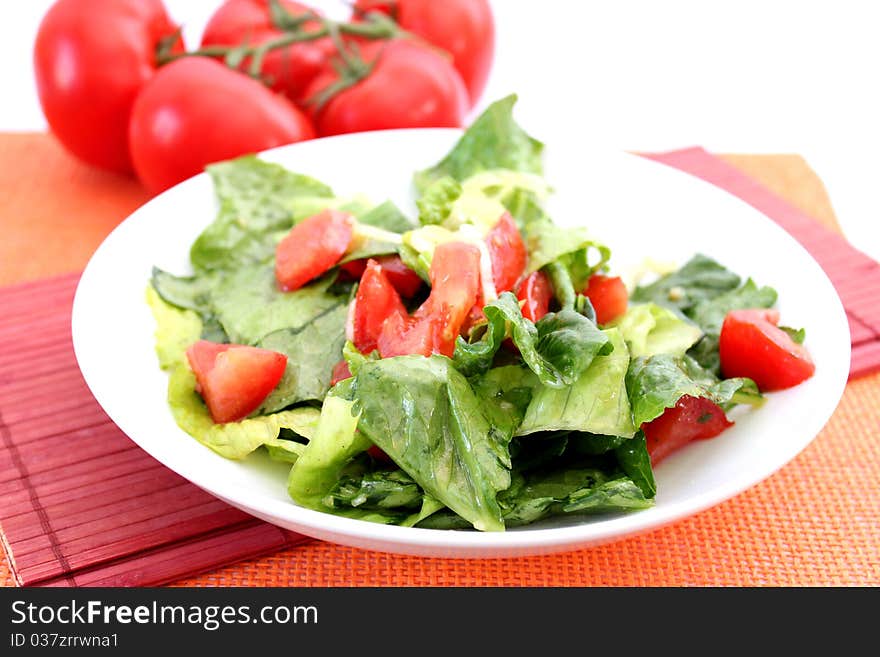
(350, 65)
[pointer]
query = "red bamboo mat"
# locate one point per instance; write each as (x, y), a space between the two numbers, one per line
(84, 506)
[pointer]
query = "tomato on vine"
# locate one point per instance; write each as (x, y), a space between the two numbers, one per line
(120, 91)
(196, 111)
(396, 83)
(287, 69)
(463, 28)
(91, 58)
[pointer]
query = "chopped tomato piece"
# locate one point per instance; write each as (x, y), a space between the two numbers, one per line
(376, 452)
(692, 418)
(234, 379)
(474, 317)
(536, 292)
(404, 279)
(608, 295)
(433, 328)
(403, 335)
(752, 345)
(312, 248)
(354, 269)
(375, 301)
(507, 252)
(455, 284)
(340, 373)
(201, 356)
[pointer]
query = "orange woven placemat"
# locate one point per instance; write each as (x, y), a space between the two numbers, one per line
(816, 522)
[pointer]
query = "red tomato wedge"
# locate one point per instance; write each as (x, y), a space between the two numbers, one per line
(433, 328)
(455, 285)
(354, 269)
(535, 291)
(404, 279)
(403, 335)
(234, 379)
(340, 373)
(312, 248)
(692, 418)
(752, 345)
(507, 252)
(608, 295)
(376, 452)
(202, 355)
(375, 301)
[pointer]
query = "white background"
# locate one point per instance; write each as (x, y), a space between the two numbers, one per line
(771, 76)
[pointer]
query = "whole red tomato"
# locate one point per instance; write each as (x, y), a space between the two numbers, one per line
(463, 28)
(91, 58)
(409, 86)
(288, 69)
(196, 111)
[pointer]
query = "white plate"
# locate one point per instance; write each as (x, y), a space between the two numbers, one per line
(640, 208)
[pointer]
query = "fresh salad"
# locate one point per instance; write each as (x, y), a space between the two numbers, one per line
(476, 366)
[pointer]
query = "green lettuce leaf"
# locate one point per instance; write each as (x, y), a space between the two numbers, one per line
(256, 200)
(659, 381)
(574, 248)
(651, 329)
(190, 292)
(424, 415)
(176, 330)
(249, 304)
(312, 350)
(699, 279)
(493, 141)
(709, 314)
(537, 450)
(284, 451)
(798, 335)
(633, 458)
(336, 441)
(482, 198)
(558, 348)
(592, 444)
(333, 474)
(435, 203)
(193, 293)
(619, 494)
(596, 402)
(579, 488)
(378, 232)
(375, 490)
(387, 216)
(504, 396)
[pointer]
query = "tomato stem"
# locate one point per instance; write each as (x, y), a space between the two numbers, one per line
(377, 26)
